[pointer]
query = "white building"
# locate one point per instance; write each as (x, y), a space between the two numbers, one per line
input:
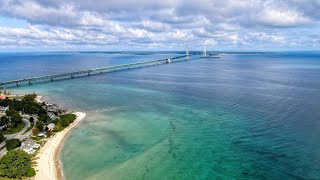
(42, 134)
(3, 108)
(29, 146)
(51, 126)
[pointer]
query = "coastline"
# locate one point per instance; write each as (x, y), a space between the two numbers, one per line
(48, 165)
(39, 99)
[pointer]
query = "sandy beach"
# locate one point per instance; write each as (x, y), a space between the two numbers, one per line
(39, 99)
(48, 166)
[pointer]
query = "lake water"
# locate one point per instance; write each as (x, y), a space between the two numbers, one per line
(245, 116)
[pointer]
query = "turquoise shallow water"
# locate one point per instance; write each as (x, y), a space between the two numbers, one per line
(238, 117)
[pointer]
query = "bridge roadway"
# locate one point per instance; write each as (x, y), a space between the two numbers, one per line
(94, 71)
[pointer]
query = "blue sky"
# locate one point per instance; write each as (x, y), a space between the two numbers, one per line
(159, 25)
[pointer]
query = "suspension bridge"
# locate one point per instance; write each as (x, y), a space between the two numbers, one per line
(96, 71)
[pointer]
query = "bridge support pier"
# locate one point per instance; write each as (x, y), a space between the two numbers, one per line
(187, 52)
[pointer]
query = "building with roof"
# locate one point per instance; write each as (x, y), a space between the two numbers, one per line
(29, 146)
(51, 126)
(4, 108)
(2, 96)
(42, 134)
(52, 116)
(4, 127)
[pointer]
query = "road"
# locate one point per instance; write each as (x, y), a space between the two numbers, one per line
(17, 135)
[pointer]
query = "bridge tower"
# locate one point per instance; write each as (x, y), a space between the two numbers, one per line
(187, 52)
(204, 51)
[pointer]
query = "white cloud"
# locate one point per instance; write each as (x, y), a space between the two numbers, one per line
(155, 26)
(65, 15)
(281, 17)
(273, 38)
(167, 23)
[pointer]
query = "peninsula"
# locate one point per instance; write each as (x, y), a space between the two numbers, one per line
(31, 135)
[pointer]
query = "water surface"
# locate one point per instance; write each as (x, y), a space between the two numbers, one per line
(238, 117)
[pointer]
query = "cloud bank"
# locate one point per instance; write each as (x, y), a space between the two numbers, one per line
(164, 25)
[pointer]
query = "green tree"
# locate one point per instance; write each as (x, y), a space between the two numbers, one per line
(41, 111)
(70, 117)
(57, 127)
(6, 102)
(14, 116)
(31, 119)
(44, 117)
(35, 131)
(49, 133)
(12, 144)
(29, 97)
(67, 119)
(15, 164)
(10, 112)
(2, 138)
(4, 120)
(31, 172)
(40, 125)
(16, 119)
(64, 122)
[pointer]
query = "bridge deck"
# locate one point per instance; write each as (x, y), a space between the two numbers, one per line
(93, 71)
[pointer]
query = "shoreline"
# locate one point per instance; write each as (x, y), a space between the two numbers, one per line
(48, 162)
(39, 99)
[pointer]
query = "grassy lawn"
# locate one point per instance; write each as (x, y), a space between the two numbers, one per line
(36, 138)
(70, 117)
(3, 141)
(14, 130)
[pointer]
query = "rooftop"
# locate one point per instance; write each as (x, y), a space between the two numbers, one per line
(4, 108)
(51, 126)
(29, 146)
(2, 96)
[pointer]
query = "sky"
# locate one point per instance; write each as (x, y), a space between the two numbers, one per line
(130, 25)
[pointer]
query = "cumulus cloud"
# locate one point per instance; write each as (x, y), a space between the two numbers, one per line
(154, 24)
(65, 15)
(273, 15)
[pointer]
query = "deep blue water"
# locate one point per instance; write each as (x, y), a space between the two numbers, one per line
(253, 116)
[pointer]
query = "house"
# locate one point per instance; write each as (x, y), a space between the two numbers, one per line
(50, 126)
(4, 108)
(52, 116)
(3, 127)
(2, 96)
(42, 134)
(29, 146)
